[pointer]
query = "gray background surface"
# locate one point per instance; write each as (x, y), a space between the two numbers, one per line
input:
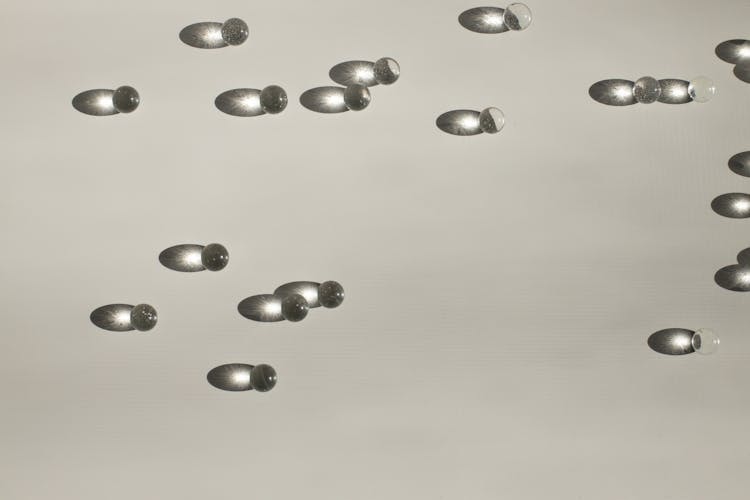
(500, 289)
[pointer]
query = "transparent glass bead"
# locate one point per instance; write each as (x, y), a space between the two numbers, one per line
(330, 294)
(294, 307)
(491, 120)
(647, 90)
(263, 378)
(517, 16)
(273, 99)
(125, 99)
(705, 341)
(701, 89)
(386, 70)
(234, 31)
(356, 97)
(214, 257)
(143, 317)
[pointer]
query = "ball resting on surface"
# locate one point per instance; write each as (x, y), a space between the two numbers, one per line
(214, 257)
(386, 71)
(273, 99)
(125, 99)
(357, 97)
(330, 294)
(143, 317)
(234, 31)
(294, 307)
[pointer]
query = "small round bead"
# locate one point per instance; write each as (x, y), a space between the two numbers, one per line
(263, 378)
(647, 90)
(294, 307)
(386, 71)
(143, 317)
(234, 31)
(273, 99)
(705, 341)
(491, 120)
(330, 294)
(214, 257)
(125, 99)
(356, 97)
(517, 16)
(701, 89)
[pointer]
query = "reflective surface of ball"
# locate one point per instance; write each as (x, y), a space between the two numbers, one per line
(234, 31)
(330, 294)
(491, 120)
(357, 97)
(517, 16)
(647, 90)
(701, 89)
(214, 257)
(273, 99)
(263, 378)
(125, 99)
(705, 341)
(294, 307)
(386, 71)
(143, 317)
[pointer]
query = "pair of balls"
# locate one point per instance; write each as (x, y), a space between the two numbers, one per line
(385, 72)
(294, 307)
(648, 90)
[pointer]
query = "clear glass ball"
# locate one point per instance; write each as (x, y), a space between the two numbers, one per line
(705, 341)
(273, 99)
(125, 99)
(701, 89)
(263, 378)
(294, 307)
(647, 90)
(357, 97)
(491, 120)
(234, 31)
(214, 257)
(386, 71)
(517, 16)
(143, 317)
(330, 294)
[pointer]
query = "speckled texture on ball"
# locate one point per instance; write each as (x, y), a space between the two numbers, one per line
(330, 294)
(143, 317)
(386, 70)
(214, 257)
(263, 378)
(235, 31)
(294, 308)
(273, 99)
(647, 90)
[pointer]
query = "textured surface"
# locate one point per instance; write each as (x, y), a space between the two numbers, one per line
(500, 289)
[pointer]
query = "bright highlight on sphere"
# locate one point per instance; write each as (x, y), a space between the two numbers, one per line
(647, 90)
(705, 341)
(701, 89)
(517, 16)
